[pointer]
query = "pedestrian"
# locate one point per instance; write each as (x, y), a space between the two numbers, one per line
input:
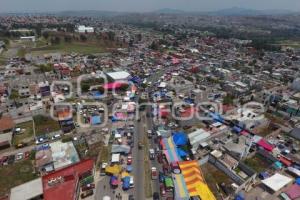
(104, 186)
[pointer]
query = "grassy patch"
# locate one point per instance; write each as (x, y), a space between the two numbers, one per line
(45, 125)
(76, 47)
(16, 174)
(24, 136)
(256, 163)
(213, 176)
(21, 52)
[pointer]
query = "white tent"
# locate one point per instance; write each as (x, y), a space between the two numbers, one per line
(115, 158)
(277, 181)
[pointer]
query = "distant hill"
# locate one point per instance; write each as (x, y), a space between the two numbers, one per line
(236, 11)
(169, 11)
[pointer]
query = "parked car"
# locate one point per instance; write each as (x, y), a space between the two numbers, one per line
(55, 137)
(88, 187)
(3, 160)
(155, 196)
(87, 193)
(27, 154)
(102, 171)
(149, 133)
(129, 160)
(11, 159)
(162, 190)
(151, 154)
(154, 173)
(19, 156)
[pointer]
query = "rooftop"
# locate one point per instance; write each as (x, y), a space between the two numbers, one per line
(69, 176)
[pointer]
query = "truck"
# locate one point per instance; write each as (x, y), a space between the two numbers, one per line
(151, 154)
(154, 173)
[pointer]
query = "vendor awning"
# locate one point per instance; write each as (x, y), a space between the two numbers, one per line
(264, 144)
(277, 181)
(116, 169)
(180, 189)
(169, 182)
(194, 180)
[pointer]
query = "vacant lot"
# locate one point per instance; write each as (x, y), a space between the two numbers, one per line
(44, 125)
(257, 163)
(16, 174)
(213, 177)
(26, 133)
(74, 47)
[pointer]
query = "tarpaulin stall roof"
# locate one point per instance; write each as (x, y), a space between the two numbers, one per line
(180, 138)
(264, 144)
(126, 182)
(114, 85)
(294, 171)
(181, 152)
(294, 191)
(285, 161)
(95, 120)
(120, 149)
(114, 180)
(180, 189)
(169, 182)
(276, 182)
(194, 180)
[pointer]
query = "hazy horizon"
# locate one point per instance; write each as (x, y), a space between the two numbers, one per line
(143, 5)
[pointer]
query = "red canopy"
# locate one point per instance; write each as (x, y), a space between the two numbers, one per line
(114, 85)
(263, 143)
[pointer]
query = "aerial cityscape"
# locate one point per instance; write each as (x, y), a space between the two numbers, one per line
(142, 100)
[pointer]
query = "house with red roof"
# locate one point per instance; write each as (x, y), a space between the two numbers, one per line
(64, 184)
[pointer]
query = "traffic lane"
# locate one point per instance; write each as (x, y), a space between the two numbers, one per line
(138, 163)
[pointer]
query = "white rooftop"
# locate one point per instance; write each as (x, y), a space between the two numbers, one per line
(120, 75)
(27, 190)
(277, 181)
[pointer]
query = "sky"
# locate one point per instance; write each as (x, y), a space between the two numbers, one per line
(144, 5)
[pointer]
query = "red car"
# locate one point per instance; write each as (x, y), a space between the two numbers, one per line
(129, 160)
(162, 190)
(26, 154)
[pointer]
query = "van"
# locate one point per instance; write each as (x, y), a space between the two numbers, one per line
(131, 182)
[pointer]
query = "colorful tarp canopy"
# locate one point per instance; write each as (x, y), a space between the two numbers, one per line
(169, 182)
(126, 182)
(181, 152)
(116, 169)
(180, 189)
(180, 138)
(170, 150)
(194, 180)
(114, 85)
(114, 180)
(294, 191)
(264, 144)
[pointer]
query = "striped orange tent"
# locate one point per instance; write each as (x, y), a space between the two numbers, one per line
(194, 180)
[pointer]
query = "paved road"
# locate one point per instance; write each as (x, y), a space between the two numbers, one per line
(138, 162)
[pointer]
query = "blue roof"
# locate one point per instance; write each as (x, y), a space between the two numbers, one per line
(96, 120)
(180, 138)
(181, 152)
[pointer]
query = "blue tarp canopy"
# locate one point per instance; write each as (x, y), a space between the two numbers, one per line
(217, 117)
(240, 196)
(278, 165)
(113, 180)
(136, 79)
(236, 129)
(181, 152)
(95, 120)
(180, 138)
(189, 100)
(263, 175)
(126, 182)
(96, 94)
(298, 181)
